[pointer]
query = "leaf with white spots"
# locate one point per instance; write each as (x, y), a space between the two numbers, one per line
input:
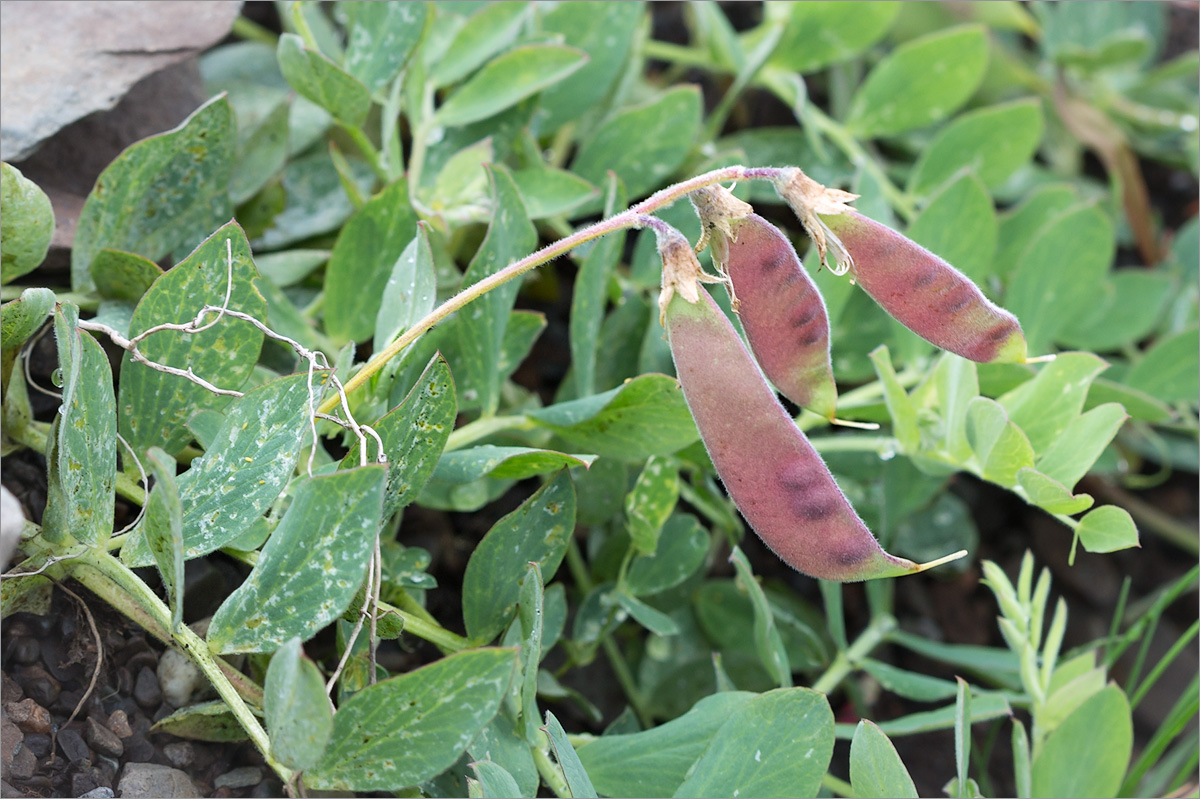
(381, 38)
(777, 744)
(407, 729)
(82, 452)
(309, 568)
(649, 504)
(154, 407)
(246, 467)
(536, 532)
(414, 434)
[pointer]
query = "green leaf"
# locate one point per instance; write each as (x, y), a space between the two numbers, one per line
(655, 762)
(82, 451)
(605, 32)
(1073, 451)
(381, 38)
(536, 532)
(1001, 447)
(207, 721)
(1088, 754)
(578, 783)
(682, 548)
(494, 781)
(162, 528)
(1168, 371)
(1129, 306)
(154, 406)
(299, 717)
(899, 404)
(992, 142)
(1073, 251)
(908, 684)
(407, 729)
(1044, 406)
(261, 154)
(414, 434)
(876, 769)
(767, 639)
(1107, 36)
(959, 224)
(642, 417)
(290, 266)
(531, 613)
(24, 316)
(482, 324)
(309, 568)
(26, 227)
(1051, 495)
(513, 463)
(1019, 226)
(651, 501)
(820, 33)
(318, 79)
(962, 737)
(500, 743)
(507, 80)
(1107, 529)
(316, 201)
(984, 707)
(651, 618)
(777, 744)
(259, 464)
(486, 32)
(372, 247)
(591, 290)
(551, 192)
(123, 275)
(999, 663)
(921, 82)
(957, 385)
(643, 145)
(160, 194)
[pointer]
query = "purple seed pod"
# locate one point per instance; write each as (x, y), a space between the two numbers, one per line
(783, 314)
(769, 468)
(927, 295)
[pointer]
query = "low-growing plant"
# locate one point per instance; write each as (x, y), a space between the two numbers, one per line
(347, 223)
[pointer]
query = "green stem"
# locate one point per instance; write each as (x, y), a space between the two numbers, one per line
(482, 428)
(419, 622)
(629, 218)
(847, 661)
(837, 786)
(363, 143)
(251, 31)
(678, 54)
(550, 772)
(620, 667)
(85, 302)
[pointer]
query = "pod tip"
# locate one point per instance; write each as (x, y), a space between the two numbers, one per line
(1041, 358)
(851, 423)
(962, 553)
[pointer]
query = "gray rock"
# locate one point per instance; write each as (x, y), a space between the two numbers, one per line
(11, 739)
(72, 745)
(242, 777)
(179, 753)
(23, 764)
(152, 780)
(103, 740)
(146, 691)
(98, 793)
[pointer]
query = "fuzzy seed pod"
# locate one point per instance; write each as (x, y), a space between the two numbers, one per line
(925, 294)
(773, 474)
(783, 314)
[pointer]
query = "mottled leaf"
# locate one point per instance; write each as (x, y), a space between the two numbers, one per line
(299, 717)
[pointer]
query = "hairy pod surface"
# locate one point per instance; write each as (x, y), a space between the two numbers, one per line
(927, 295)
(783, 314)
(769, 468)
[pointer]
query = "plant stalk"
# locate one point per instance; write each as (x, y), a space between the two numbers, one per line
(845, 662)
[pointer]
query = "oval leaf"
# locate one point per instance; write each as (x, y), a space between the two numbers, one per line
(299, 718)
(26, 226)
(1107, 529)
(875, 766)
(507, 80)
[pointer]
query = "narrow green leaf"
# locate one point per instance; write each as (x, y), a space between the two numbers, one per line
(514, 463)
(962, 736)
(1021, 761)
(309, 568)
(507, 80)
(314, 76)
(27, 225)
(82, 452)
(650, 503)
(289, 267)
(494, 781)
(921, 82)
(407, 729)
(22, 317)
(1076, 761)
(1044, 406)
(381, 38)
(551, 192)
(261, 154)
(207, 721)
(482, 324)
(1073, 451)
(909, 684)
(490, 29)
(984, 707)
(1107, 529)
(767, 639)
(642, 417)
(162, 528)
(778, 744)
(957, 385)
(257, 463)
(536, 532)
(821, 33)
(591, 291)
(1050, 494)
(160, 194)
(577, 777)
(153, 406)
(414, 433)
(899, 404)
(371, 248)
(682, 548)
(652, 619)
(992, 142)
(299, 716)
(531, 612)
(1168, 371)
(876, 769)
(998, 662)
(643, 145)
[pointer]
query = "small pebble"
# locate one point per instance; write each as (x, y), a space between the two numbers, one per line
(26, 651)
(179, 753)
(178, 677)
(242, 777)
(138, 749)
(10, 689)
(38, 743)
(85, 782)
(146, 690)
(11, 739)
(72, 745)
(103, 740)
(23, 764)
(29, 716)
(118, 722)
(148, 779)
(98, 793)
(39, 685)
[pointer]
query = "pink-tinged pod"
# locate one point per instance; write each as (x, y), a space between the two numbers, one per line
(926, 294)
(782, 313)
(769, 468)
